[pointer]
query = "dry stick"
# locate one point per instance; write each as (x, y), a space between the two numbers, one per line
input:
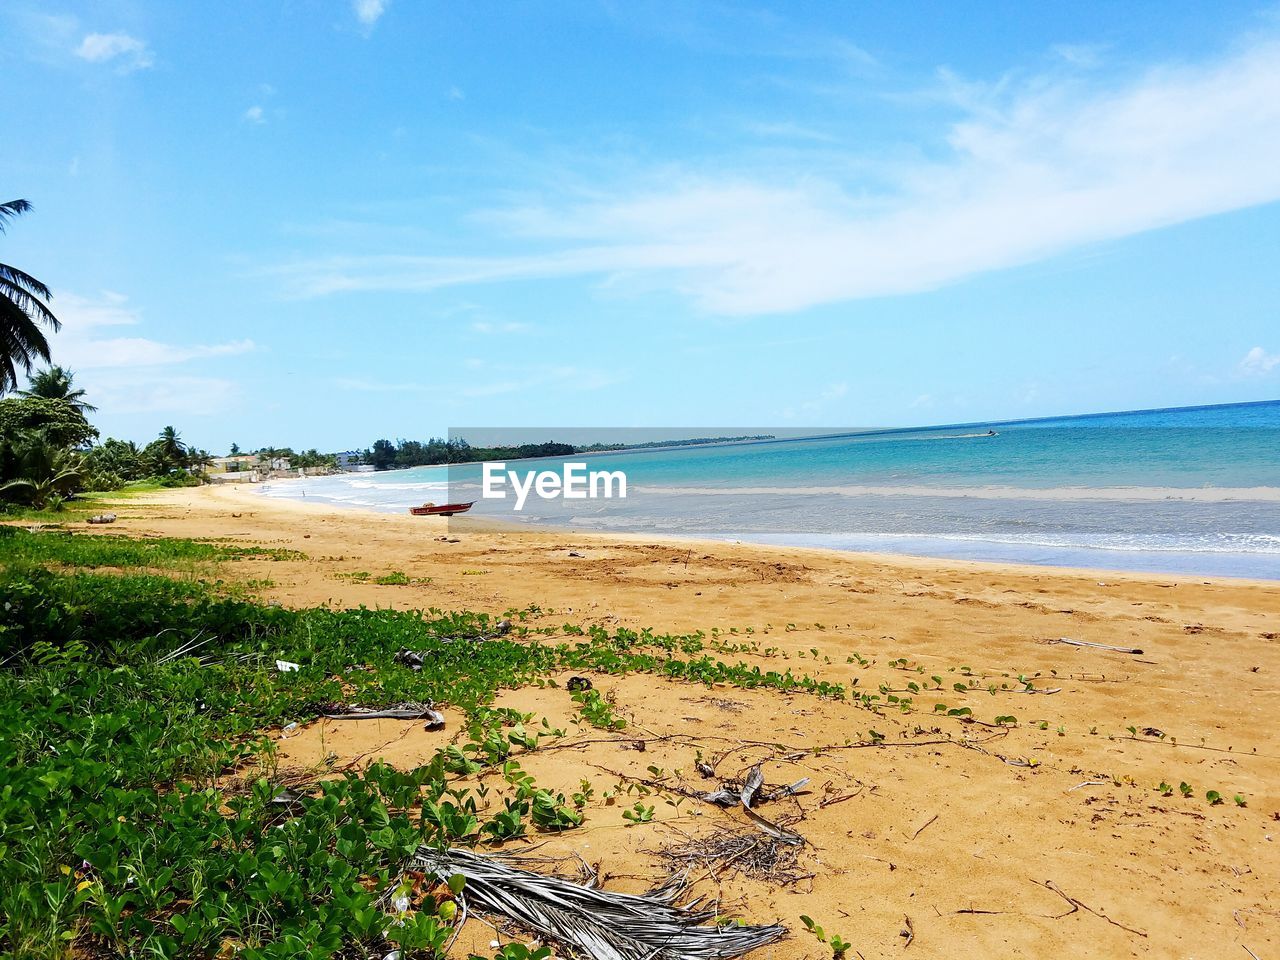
(1077, 905)
(1089, 783)
(928, 823)
(1099, 646)
(1198, 746)
(910, 932)
(832, 801)
(1250, 952)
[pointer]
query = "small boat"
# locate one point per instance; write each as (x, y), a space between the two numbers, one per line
(441, 510)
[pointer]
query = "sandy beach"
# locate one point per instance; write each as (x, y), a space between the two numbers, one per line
(956, 837)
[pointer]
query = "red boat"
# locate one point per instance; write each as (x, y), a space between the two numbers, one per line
(442, 510)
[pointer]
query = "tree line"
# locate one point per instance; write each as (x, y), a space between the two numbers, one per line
(385, 455)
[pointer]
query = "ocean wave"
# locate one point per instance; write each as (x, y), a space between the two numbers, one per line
(1200, 494)
(1144, 543)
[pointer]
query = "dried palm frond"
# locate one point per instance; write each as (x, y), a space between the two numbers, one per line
(601, 924)
(396, 711)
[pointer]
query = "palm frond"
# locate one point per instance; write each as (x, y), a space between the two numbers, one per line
(20, 278)
(22, 342)
(26, 300)
(18, 484)
(12, 208)
(601, 924)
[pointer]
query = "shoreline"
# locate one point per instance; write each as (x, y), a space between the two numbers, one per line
(939, 548)
(213, 497)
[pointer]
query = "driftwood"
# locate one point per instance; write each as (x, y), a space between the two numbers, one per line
(600, 924)
(1098, 646)
(396, 711)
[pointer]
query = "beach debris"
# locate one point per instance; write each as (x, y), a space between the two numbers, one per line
(409, 710)
(779, 833)
(1077, 906)
(287, 729)
(750, 790)
(577, 555)
(287, 801)
(287, 666)
(750, 853)
(1088, 783)
(601, 924)
(412, 659)
(578, 684)
(102, 518)
(908, 932)
(1099, 646)
(924, 826)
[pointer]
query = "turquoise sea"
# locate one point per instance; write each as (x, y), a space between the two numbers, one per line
(1189, 490)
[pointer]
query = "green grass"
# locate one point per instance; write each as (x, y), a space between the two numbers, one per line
(88, 550)
(84, 504)
(117, 836)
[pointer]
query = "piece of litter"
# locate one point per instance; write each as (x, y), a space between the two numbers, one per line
(287, 666)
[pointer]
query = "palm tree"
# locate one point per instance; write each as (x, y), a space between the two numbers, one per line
(45, 471)
(199, 461)
(171, 447)
(55, 384)
(22, 310)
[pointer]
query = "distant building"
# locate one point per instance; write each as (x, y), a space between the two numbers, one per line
(349, 460)
(233, 464)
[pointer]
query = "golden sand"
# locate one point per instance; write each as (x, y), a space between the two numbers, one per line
(1047, 840)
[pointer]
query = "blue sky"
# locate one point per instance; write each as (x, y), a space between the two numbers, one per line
(316, 224)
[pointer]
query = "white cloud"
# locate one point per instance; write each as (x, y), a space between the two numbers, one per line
(108, 309)
(123, 393)
(78, 345)
(368, 12)
(562, 378)
(503, 380)
(141, 352)
(1083, 55)
(255, 114)
(377, 386)
(1032, 168)
(134, 374)
(1258, 363)
(128, 52)
(815, 406)
(510, 326)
